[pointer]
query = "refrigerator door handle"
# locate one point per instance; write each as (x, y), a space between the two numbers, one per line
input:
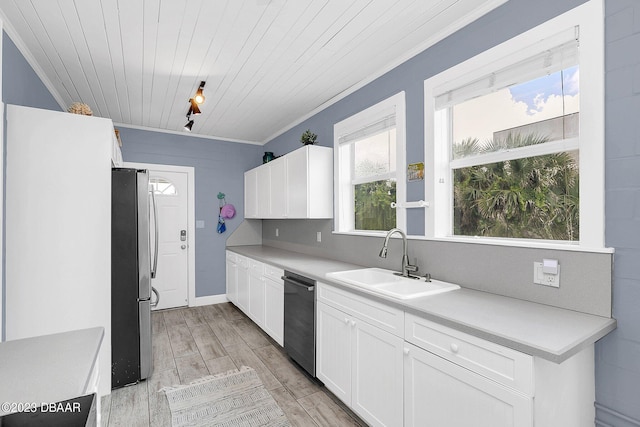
(157, 301)
(154, 267)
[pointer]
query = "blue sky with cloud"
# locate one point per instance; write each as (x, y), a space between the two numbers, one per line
(534, 93)
(529, 102)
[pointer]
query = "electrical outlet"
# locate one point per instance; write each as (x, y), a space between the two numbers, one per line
(319, 236)
(277, 232)
(541, 278)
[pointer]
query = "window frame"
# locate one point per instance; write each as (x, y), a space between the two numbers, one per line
(344, 220)
(589, 18)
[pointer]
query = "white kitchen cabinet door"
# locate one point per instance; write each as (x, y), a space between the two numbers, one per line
(310, 182)
(278, 176)
(320, 184)
(263, 177)
(232, 280)
(251, 193)
(333, 350)
(377, 375)
(243, 284)
(438, 392)
(274, 309)
(297, 183)
(256, 299)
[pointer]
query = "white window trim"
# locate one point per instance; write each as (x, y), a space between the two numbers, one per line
(352, 124)
(438, 190)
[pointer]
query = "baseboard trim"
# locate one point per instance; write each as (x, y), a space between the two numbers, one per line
(607, 417)
(208, 300)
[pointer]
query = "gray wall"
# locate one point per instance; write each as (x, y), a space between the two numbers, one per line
(618, 354)
(20, 84)
(219, 167)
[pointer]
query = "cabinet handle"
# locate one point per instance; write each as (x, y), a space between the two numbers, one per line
(346, 321)
(406, 351)
(353, 323)
(454, 347)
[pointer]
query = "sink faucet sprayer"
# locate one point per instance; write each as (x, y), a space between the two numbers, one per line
(406, 267)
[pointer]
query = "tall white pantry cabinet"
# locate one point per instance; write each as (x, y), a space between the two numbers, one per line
(58, 226)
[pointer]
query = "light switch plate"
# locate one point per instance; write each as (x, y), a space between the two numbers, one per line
(199, 223)
(541, 278)
(319, 236)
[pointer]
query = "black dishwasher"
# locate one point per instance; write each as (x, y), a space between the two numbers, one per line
(299, 320)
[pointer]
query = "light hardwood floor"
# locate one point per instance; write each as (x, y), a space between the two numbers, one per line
(189, 343)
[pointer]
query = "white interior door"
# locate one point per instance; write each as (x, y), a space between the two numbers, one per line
(172, 273)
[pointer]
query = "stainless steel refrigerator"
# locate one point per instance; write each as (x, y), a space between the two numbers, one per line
(133, 264)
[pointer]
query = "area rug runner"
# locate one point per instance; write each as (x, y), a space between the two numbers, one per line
(233, 399)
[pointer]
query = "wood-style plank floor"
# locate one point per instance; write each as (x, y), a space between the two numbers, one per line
(189, 343)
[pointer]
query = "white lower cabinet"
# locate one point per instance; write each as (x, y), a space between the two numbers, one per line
(455, 379)
(361, 364)
(376, 393)
(243, 284)
(232, 277)
(333, 350)
(256, 292)
(438, 392)
(274, 303)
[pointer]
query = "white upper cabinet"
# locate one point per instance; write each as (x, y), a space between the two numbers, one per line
(263, 197)
(277, 189)
(251, 193)
(296, 185)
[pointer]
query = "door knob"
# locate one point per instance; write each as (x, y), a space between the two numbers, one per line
(183, 246)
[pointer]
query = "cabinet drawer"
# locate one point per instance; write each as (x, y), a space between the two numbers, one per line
(273, 273)
(256, 267)
(377, 314)
(231, 256)
(501, 364)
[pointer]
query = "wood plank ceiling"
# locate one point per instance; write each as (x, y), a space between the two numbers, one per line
(267, 63)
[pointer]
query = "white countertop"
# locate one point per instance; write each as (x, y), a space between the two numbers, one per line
(49, 368)
(540, 330)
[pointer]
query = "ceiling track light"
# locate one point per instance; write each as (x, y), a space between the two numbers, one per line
(194, 109)
(189, 124)
(199, 98)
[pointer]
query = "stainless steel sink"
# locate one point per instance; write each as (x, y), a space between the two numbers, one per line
(386, 282)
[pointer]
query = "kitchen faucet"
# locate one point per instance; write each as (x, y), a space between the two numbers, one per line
(406, 267)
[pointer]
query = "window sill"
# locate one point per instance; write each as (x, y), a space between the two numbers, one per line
(528, 244)
(361, 233)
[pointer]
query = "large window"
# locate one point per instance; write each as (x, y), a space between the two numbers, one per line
(516, 138)
(368, 149)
